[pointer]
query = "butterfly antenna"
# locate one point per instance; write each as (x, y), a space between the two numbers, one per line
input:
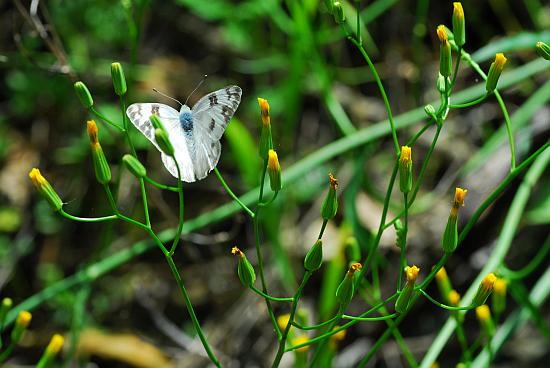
(165, 95)
(197, 87)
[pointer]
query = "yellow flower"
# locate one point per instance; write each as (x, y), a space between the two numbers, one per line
(264, 108)
(442, 34)
(412, 273)
(55, 345)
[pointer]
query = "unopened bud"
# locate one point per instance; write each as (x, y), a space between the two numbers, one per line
(314, 258)
(494, 72)
(83, 94)
(119, 81)
(330, 203)
(245, 271)
(134, 166)
(405, 170)
(449, 241)
(45, 189)
(459, 28)
(404, 297)
(484, 290)
(274, 171)
(346, 289)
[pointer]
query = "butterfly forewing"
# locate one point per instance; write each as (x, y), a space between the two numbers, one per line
(213, 112)
(139, 114)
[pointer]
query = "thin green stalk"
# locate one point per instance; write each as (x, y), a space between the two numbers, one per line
(314, 327)
(159, 185)
(179, 230)
(265, 204)
(402, 256)
(118, 214)
(6, 353)
(256, 224)
(507, 121)
(106, 120)
(444, 306)
(295, 301)
(457, 63)
(231, 194)
(87, 219)
(323, 227)
(461, 337)
(191, 311)
(369, 319)
(275, 299)
(531, 266)
(359, 45)
(469, 104)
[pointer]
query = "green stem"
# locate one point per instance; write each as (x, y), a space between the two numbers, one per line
(469, 104)
(179, 230)
(461, 337)
(368, 319)
(271, 297)
(531, 266)
(296, 299)
(191, 311)
(87, 219)
(105, 119)
(256, 224)
(314, 327)
(444, 306)
(372, 68)
(232, 195)
(322, 231)
(265, 204)
(159, 185)
(457, 63)
(402, 256)
(6, 353)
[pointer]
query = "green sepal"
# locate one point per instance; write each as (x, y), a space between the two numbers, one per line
(245, 271)
(330, 204)
(161, 137)
(314, 258)
(405, 177)
(83, 94)
(101, 166)
(445, 61)
(345, 290)
(119, 80)
(134, 166)
(449, 241)
(266, 141)
(543, 50)
(404, 297)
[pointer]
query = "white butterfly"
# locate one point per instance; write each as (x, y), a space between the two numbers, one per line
(195, 133)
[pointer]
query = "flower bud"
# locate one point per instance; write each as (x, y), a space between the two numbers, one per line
(483, 315)
(459, 29)
(274, 171)
(119, 81)
(101, 166)
(161, 137)
(134, 166)
(4, 309)
(266, 139)
(441, 87)
(330, 204)
(499, 296)
(449, 240)
(443, 283)
(346, 289)
(53, 348)
(245, 271)
(445, 62)
(543, 50)
(314, 258)
(405, 169)
(156, 122)
(453, 298)
(338, 12)
(484, 290)
(404, 297)
(494, 72)
(337, 337)
(429, 110)
(300, 340)
(21, 323)
(282, 321)
(83, 94)
(400, 239)
(45, 189)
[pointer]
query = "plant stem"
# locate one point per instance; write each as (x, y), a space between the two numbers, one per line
(402, 256)
(444, 306)
(106, 120)
(296, 299)
(369, 319)
(87, 219)
(271, 297)
(232, 195)
(191, 311)
(159, 185)
(179, 230)
(469, 104)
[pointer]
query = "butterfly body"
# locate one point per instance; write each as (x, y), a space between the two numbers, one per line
(195, 133)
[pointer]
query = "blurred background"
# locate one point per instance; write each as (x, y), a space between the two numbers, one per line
(320, 91)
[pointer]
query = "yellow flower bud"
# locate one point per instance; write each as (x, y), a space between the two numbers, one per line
(449, 240)
(459, 29)
(445, 62)
(45, 189)
(404, 297)
(405, 170)
(494, 72)
(484, 290)
(274, 171)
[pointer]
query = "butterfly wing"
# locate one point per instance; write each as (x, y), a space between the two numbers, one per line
(139, 114)
(213, 112)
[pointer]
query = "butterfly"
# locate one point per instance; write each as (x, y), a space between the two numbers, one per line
(194, 133)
